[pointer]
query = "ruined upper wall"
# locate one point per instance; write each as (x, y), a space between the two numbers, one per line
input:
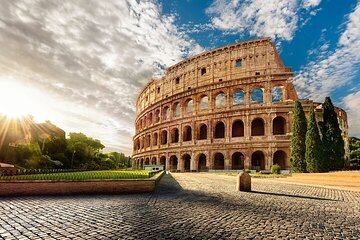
(240, 60)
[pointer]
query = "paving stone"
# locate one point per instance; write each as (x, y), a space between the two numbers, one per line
(188, 206)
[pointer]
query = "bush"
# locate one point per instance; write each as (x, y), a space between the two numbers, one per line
(275, 169)
(246, 170)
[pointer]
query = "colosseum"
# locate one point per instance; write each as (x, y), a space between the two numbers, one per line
(229, 108)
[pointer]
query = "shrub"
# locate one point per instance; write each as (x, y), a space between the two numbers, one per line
(246, 170)
(275, 169)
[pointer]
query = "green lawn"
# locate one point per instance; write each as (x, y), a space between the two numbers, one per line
(87, 175)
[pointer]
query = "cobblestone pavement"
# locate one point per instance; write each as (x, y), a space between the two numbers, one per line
(188, 206)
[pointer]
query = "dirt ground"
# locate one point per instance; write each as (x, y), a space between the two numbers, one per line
(349, 180)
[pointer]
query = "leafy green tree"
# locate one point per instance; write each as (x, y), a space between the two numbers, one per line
(82, 149)
(331, 136)
(314, 147)
(297, 149)
(354, 144)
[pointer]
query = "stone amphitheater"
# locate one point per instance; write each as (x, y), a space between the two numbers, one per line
(229, 108)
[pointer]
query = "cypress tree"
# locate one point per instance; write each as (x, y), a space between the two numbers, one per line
(313, 144)
(297, 154)
(331, 136)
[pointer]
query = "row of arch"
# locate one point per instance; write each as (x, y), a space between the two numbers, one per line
(201, 163)
(187, 108)
(237, 130)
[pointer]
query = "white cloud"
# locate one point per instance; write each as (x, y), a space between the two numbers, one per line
(332, 70)
(275, 18)
(310, 3)
(93, 57)
(351, 104)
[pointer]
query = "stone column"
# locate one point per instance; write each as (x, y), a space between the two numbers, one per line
(193, 165)
(180, 166)
(167, 163)
(247, 161)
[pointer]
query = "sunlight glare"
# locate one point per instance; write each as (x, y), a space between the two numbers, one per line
(18, 100)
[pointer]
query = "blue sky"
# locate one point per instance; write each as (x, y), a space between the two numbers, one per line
(81, 63)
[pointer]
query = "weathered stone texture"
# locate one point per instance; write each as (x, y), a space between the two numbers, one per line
(207, 111)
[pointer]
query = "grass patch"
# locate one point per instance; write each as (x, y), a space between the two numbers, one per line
(256, 175)
(83, 176)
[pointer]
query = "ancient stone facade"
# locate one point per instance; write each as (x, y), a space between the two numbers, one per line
(228, 108)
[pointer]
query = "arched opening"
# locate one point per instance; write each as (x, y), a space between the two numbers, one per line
(137, 144)
(147, 161)
(257, 95)
(175, 135)
(176, 109)
(166, 113)
(277, 94)
(142, 163)
(258, 161)
(164, 137)
(257, 127)
(173, 163)
(204, 103)
(219, 161)
(187, 134)
(189, 106)
(163, 161)
(157, 115)
(142, 143)
(150, 119)
(140, 124)
(155, 139)
(153, 161)
(202, 163)
(279, 126)
(220, 100)
(219, 130)
(238, 97)
(202, 132)
(279, 158)
(238, 128)
(147, 141)
(237, 161)
(187, 159)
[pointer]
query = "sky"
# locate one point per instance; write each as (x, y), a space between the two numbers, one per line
(81, 64)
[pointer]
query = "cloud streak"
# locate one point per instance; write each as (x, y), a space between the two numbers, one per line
(274, 18)
(333, 70)
(93, 57)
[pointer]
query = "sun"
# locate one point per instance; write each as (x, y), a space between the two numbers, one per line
(17, 100)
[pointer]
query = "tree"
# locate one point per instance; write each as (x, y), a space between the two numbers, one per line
(81, 149)
(314, 148)
(297, 148)
(332, 138)
(354, 144)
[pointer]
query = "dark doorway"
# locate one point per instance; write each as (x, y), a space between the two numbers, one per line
(220, 130)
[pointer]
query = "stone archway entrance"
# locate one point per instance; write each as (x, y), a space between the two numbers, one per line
(219, 161)
(163, 161)
(186, 161)
(237, 161)
(258, 161)
(202, 163)
(173, 163)
(279, 158)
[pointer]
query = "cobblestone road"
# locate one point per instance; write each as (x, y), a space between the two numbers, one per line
(189, 206)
